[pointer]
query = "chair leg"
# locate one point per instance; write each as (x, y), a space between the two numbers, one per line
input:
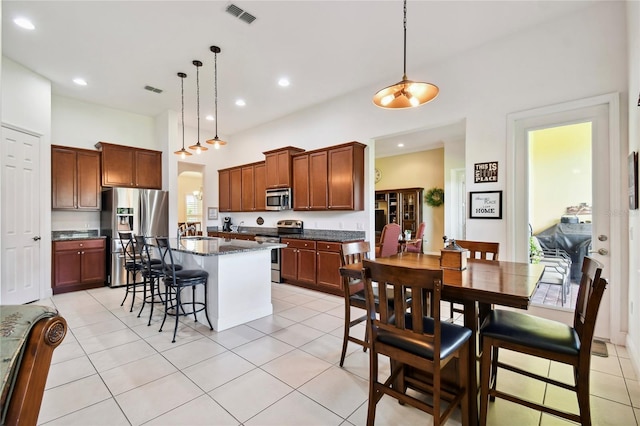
(193, 302)
(144, 292)
(127, 288)
(582, 389)
(494, 369)
(166, 305)
(153, 283)
(485, 379)
(134, 286)
(206, 305)
(178, 304)
(463, 382)
(345, 338)
(373, 378)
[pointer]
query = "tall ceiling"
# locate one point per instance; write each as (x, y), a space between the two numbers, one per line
(326, 49)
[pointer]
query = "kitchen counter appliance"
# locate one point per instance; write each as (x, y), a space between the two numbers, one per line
(290, 226)
(278, 199)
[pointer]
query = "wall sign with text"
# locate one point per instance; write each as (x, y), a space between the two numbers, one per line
(485, 172)
(485, 205)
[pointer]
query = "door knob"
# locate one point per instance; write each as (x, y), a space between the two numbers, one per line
(36, 238)
(601, 251)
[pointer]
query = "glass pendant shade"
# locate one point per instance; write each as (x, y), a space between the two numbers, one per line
(406, 93)
(183, 153)
(197, 147)
(216, 141)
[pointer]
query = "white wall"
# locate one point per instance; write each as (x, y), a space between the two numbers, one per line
(26, 106)
(633, 48)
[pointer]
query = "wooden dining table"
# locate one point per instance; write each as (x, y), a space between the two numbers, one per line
(482, 284)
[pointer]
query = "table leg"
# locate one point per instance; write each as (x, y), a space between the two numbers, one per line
(471, 322)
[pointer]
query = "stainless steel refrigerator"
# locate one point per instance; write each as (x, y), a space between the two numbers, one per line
(140, 211)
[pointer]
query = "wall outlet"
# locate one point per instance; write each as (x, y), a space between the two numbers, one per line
(360, 226)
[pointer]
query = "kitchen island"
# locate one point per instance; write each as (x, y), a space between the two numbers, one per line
(239, 277)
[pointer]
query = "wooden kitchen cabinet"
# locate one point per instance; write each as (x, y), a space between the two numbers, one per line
(224, 191)
(78, 265)
(298, 261)
(235, 189)
(330, 178)
(328, 266)
(253, 187)
(75, 179)
(125, 166)
(310, 181)
(260, 186)
(346, 177)
(278, 167)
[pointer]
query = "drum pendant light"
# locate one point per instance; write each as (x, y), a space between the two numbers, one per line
(217, 142)
(406, 93)
(183, 153)
(197, 147)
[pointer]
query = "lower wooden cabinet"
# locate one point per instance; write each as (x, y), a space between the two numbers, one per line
(312, 264)
(232, 235)
(78, 265)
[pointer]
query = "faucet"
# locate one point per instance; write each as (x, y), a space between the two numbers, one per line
(241, 223)
(183, 230)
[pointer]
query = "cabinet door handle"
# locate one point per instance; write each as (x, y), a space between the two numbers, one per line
(36, 238)
(79, 253)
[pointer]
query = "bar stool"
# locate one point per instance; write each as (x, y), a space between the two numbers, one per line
(175, 280)
(151, 273)
(132, 264)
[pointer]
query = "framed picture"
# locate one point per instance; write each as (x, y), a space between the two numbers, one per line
(485, 205)
(633, 181)
(485, 172)
(212, 213)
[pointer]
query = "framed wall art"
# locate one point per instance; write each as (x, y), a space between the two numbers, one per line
(485, 172)
(485, 205)
(212, 213)
(633, 181)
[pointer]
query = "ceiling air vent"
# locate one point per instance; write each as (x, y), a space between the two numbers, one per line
(153, 89)
(240, 13)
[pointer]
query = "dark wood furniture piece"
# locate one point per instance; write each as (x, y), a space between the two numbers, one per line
(75, 179)
(278, 167)
(354, 252)
(126, 166)
(242, 188)
(412, 335)
(35, 331)
(401, 206)
(78, 265)
(482, 284)
(477, 250)
(329, 178)
(546, 339)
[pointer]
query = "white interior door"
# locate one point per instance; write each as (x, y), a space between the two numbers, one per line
(605, 249)
(20, 245)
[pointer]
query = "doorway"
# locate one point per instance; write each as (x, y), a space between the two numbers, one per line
(191, 200)
(605, 195)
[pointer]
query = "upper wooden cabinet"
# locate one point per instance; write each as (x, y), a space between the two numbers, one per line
(130, 167)
(242, 188)
(278, 167)
(75, 179)
(330, 178)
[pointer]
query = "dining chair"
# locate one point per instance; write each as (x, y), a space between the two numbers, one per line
(389, 240)
(353, 292)
(477, 250)
(548, 339)
(414, 338)
(417, 246)
(176, 280)
(132, 264)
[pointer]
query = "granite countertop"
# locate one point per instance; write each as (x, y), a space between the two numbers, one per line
(307, 234)
(212, 246)
(83, 234)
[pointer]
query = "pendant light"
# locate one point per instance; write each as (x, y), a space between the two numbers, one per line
(197, 147)
(217, 142)
(183, 153)
(406, 93)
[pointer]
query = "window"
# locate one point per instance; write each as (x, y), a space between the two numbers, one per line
(193, 204)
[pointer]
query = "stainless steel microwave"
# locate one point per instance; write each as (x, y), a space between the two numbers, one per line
(279, 199)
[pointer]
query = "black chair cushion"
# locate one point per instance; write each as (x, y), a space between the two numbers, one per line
(531, 331)
(358, 299)
(188, 277)
(452, 337)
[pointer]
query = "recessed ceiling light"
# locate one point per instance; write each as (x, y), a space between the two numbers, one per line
(283, 82)
(24, 23)
(209, 117)
(241, 102)
(80, 81)
(400, 145)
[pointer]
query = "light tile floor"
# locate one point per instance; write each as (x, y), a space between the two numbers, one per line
(112, 369)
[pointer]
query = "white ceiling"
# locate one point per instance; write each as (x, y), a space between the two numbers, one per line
(326, 48)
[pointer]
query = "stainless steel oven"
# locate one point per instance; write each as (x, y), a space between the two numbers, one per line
(275, 256)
